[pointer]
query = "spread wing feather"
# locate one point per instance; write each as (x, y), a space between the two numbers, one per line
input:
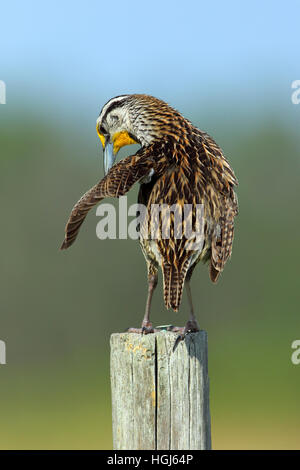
(117, 182)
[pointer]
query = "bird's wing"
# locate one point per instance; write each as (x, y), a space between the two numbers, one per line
(225, 205)
(117, 182)
(222, 201)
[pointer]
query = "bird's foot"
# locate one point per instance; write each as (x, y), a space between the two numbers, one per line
(190, 327)
(145, 329)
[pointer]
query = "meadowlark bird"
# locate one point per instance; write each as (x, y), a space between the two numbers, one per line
(176, 164)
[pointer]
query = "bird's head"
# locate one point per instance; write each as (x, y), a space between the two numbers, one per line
(135, 119)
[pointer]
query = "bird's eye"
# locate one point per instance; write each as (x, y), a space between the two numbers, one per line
(102, 130)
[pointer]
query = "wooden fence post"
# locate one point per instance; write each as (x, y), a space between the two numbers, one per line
(160, 399)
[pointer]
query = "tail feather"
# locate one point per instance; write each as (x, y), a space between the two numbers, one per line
(173, 284)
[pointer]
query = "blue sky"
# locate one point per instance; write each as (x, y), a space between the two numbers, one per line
(79, 54)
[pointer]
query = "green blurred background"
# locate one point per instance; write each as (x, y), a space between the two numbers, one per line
(58, 309)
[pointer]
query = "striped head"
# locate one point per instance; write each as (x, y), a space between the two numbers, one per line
(135, 119)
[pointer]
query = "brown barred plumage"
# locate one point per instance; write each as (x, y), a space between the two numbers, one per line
(177, 164)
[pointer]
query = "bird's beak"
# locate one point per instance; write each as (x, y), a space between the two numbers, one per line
(110, 149)
(109, 156)
(109, 153)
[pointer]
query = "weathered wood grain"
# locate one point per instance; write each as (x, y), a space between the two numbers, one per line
(160, 399)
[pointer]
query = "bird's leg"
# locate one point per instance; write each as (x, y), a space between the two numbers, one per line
(146, 324)
(192, 322)
(152, 283)
(191, 325)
